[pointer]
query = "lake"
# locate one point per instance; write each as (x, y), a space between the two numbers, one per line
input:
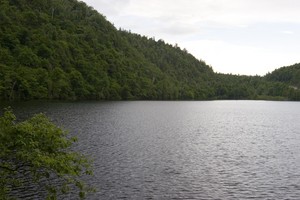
(184, 149)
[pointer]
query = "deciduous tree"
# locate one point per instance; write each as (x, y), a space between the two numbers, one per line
(39, 151)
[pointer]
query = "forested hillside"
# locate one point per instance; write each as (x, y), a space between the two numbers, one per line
(289, 75)
(63, 49)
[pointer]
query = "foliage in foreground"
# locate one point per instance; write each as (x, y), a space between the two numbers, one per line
(38, 150)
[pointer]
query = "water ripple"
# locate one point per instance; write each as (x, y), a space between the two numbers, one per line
(187, 150)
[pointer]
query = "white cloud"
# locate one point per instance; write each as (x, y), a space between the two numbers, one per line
(232, 12)
(237, 59)
(235, 36)
(108, 7)
(240, 13)
(288, 32)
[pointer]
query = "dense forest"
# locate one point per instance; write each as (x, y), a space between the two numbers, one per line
(64, 49)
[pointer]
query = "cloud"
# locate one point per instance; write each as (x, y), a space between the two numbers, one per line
(188, 13)
(241, 59)
(236, 36)
(288, 32)
(108, 7)
(234, 12)
(191, 16)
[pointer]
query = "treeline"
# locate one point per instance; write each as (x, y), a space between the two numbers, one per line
(289, 75)
(253, 87)
(63, 49)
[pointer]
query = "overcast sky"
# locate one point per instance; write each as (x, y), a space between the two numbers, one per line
(233, 36)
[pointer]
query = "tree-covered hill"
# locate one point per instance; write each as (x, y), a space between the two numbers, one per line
(289, 75)
(63, 49)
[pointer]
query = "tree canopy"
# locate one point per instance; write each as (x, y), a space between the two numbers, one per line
(64, 49)
(36, 151)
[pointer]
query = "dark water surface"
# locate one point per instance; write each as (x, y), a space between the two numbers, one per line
(185, 149)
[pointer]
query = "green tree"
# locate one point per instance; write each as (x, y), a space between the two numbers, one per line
(38, 150)
(78, 84)
(59, 86)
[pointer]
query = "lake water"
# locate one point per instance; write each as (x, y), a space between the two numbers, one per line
(185, 149)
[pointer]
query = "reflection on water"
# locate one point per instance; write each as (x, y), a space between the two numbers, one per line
(185, 150)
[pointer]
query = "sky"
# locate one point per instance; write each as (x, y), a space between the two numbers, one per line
(246, 37)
